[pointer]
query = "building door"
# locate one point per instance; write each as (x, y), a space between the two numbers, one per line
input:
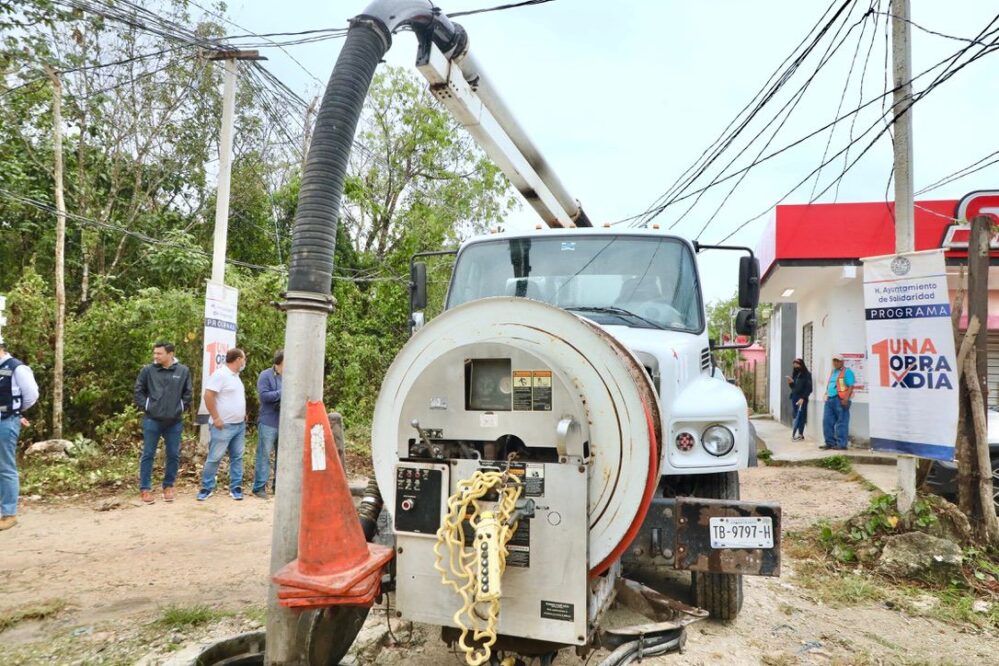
(993, 350)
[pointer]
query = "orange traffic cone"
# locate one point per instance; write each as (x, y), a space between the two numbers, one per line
(335, 565)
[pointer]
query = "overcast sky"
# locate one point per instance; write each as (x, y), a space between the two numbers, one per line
(623, 96)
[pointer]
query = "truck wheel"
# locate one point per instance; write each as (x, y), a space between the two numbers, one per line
(719, 594)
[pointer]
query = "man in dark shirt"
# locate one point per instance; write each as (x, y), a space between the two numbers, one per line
(269, 391)
(163, 393)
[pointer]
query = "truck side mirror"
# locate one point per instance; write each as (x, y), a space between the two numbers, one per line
(745, 322)
(749, 282)
(418, 286)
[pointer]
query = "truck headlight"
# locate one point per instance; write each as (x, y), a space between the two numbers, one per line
(717, 440)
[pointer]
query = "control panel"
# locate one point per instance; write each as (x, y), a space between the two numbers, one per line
(420, 497)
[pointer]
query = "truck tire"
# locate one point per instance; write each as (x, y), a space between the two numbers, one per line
(719, 594)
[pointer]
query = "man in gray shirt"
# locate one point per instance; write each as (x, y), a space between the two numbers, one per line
(18, 392)
(225, 399)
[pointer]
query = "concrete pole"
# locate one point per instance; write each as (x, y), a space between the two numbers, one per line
(904, 210)
(225, 172)
(60, 256)
(304, 348)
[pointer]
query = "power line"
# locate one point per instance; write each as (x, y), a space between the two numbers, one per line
(989, 48)
(790, 106)
(762, 97)
(138, 235)
(497, 8)
(961, 173)
(814, 133)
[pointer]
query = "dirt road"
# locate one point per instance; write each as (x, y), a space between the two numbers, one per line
(109, 575)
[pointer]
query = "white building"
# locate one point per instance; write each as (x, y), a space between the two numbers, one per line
(812, 273)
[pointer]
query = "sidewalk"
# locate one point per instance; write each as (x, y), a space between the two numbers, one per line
(875, 466)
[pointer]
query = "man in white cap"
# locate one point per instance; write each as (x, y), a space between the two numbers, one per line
(18, 392)
(836, 417)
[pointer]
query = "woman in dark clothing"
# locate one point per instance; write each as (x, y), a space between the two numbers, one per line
(800, 382)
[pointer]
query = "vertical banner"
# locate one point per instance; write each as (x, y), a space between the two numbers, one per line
(912, 374)
(220, 334)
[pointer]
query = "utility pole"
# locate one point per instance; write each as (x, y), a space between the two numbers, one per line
(904, 209)
(307, 138)
(221, 233)
(60, 256)
(225, 157)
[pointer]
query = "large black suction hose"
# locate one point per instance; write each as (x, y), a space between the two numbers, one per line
(314, 236)
(369, 37)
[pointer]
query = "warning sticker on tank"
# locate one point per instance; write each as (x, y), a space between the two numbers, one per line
(532, 390)
(523, 382)
(541, 400)
(534, 481)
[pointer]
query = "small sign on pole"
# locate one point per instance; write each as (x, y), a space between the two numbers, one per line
(912, 378)
(220, 333)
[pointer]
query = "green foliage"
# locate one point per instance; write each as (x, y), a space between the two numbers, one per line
(40, 611)
(138, 157)
(186, 617)
(837, 463)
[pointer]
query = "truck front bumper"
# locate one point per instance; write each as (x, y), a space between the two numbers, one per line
(709, 536)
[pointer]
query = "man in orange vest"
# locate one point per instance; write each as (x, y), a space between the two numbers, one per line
(836, 417)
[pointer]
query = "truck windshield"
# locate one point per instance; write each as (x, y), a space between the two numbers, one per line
(619, 280)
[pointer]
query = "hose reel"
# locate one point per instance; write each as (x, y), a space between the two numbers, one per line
(591, 402)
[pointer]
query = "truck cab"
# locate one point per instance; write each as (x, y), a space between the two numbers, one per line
(642, 286)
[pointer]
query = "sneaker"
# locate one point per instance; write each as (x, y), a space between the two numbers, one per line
(7, 522)
(147, 497)
(260, 494)
(204, 494)
(236, 494)
(826, 447)
(168, 494)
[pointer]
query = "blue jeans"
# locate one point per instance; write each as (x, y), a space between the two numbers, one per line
(836, 423)
(230, 438)
(10, 428)
(152, 430)
(800, 416)
(267, 437)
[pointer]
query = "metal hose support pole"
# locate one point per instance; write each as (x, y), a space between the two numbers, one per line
(308, 302)
(309, 296)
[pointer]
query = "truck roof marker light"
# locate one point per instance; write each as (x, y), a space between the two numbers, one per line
(539, 227)
(607, 225)
(655, 226)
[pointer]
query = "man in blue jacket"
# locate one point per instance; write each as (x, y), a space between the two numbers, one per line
(163, 392)
(269, 391)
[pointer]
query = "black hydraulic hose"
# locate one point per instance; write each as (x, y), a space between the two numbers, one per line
(314, 237)
(369, 509)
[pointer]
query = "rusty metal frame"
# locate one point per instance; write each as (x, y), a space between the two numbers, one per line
(693, 538)
(675, 534)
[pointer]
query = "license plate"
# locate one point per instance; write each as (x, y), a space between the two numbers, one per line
(742, 532)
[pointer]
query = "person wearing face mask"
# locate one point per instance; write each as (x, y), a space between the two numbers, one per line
(800, 383)
(225, 399)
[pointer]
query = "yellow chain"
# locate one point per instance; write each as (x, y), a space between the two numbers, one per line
(460, 573)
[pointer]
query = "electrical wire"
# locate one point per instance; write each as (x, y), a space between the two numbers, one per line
(498, 8)
(790, 106)
(766, 93)
(960, 173)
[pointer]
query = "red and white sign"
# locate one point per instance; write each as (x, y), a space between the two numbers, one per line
(220, 333)
(973, 205)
